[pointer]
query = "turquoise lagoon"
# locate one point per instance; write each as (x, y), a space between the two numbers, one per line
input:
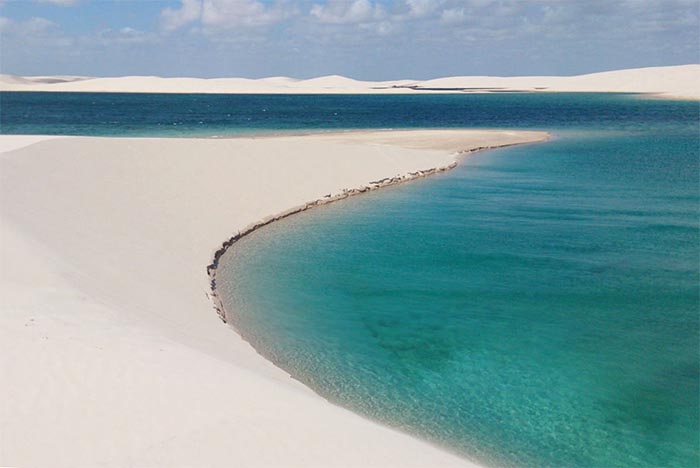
(537, 306)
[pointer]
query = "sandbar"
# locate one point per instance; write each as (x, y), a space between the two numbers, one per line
(111, 352)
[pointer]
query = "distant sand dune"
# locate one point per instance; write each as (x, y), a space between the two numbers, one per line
(680, 81)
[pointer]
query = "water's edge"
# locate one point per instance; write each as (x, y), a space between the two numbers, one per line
(212, 268)
(375, 185)
(330, 198)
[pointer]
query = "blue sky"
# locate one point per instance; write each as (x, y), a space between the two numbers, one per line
(363, 39)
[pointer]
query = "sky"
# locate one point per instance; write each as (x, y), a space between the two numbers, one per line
(362, 39)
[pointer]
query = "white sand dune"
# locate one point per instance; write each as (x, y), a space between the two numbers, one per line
(332, 82)
(682, 81)
(278, 80)
(111, 353)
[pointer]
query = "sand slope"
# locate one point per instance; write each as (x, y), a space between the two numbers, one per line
(110, 351)
(680, 81)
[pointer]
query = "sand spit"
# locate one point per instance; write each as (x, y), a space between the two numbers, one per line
(679, 81)
(110, 351)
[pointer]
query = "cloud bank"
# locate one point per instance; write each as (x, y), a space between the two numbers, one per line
(372, 39)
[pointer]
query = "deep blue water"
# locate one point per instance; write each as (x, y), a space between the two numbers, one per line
(123, 114)
(537, 306)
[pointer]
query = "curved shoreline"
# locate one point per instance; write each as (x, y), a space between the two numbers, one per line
(212, 268)
(374, 185)
(103, 243)
(389, 181)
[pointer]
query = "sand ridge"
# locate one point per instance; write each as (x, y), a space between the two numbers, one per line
(108, 338)
(680, 81)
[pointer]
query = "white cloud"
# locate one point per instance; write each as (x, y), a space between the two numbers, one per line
(453, 16)
(422, 8)
(125, 35)
(383, 28)
(33, 26)
(37, 24)
(32, 33)
(230, 13)
(189, 11)
(348, 12)
(216, 15)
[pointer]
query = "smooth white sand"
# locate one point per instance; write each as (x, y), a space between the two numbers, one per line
(110, 351)
(680, 81)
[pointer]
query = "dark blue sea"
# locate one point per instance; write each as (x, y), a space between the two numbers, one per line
(537, 306)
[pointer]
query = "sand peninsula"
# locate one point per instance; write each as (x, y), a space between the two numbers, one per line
(679, 82)
(110, 343)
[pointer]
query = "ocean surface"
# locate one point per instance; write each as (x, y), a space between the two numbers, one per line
(537, 306)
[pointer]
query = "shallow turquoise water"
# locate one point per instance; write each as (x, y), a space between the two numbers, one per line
(537, 306)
